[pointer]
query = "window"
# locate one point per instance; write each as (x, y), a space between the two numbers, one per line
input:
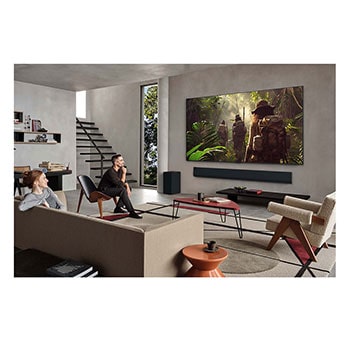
(149, 135)
(80, 101)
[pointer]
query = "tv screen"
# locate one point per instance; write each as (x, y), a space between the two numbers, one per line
(264, 126)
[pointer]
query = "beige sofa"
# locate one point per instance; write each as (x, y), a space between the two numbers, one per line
(136, 248)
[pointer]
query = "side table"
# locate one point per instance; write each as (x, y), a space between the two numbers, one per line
(204, 264)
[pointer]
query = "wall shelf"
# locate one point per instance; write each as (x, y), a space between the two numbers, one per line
(25, 137)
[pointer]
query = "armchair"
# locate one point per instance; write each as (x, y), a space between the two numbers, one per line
(310, 222)
(91, 193)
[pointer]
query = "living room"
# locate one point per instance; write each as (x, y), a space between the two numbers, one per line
(116, 109)
(177, 312)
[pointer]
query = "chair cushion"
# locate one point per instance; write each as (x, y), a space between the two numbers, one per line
(272, 222)
(327, 212)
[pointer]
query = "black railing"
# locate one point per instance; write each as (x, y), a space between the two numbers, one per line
(93, 143)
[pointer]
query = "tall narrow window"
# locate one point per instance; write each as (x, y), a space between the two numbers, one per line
(150, 138)
(80, 98)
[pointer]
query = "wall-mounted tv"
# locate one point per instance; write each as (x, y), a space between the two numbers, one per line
(264, 126)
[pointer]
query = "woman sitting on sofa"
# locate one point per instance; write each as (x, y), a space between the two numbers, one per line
(41, 193)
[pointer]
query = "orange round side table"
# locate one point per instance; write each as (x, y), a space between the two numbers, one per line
(204, 264)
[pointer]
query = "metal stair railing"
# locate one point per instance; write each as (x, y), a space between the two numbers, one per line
(94, 144)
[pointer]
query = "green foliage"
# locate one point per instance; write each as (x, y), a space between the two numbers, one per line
(202, 132)
(256, 96)
(202, 142)
(206, 154)
(205, 108)
(150, 119)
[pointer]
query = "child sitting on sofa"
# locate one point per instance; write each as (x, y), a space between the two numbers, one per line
(41, 193)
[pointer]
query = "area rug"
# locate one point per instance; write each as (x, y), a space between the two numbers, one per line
(247, 257)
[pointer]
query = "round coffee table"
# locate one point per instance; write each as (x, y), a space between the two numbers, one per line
(204, 264)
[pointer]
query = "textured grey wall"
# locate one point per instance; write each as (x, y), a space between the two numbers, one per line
(316, 177)
(56, 110)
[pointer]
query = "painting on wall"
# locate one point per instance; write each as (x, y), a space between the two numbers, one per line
(264, 126)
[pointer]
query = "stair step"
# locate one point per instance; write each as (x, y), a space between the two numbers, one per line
(95, 140)
(90, 133)
(95, 154)
(96, 160)
(87, 127)
(85, 122)
(83, 132)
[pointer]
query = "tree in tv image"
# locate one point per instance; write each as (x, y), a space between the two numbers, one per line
(264, 126)
(150, 120)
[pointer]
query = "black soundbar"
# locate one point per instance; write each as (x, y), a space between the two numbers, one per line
(247, 175)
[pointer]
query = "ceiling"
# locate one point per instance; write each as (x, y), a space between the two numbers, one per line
(78, 77)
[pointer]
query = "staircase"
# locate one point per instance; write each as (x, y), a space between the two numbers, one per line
(94, 149)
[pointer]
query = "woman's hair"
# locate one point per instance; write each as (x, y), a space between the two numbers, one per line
(30, 176)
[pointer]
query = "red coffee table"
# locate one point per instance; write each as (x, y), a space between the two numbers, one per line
(221, 209)
(204, 264)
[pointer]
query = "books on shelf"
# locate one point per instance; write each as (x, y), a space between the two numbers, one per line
(92, 273)
(36, 124)
(51, 166)
(218, 199)
(69, 268)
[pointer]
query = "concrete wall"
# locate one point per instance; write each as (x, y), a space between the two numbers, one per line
(56, 110)
(316, 177)
(116, 111)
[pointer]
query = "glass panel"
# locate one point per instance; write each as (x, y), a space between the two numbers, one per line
(150, 137)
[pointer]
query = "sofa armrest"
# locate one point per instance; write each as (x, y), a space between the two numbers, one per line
(298, 214)
(164, 244)
(62, 197)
